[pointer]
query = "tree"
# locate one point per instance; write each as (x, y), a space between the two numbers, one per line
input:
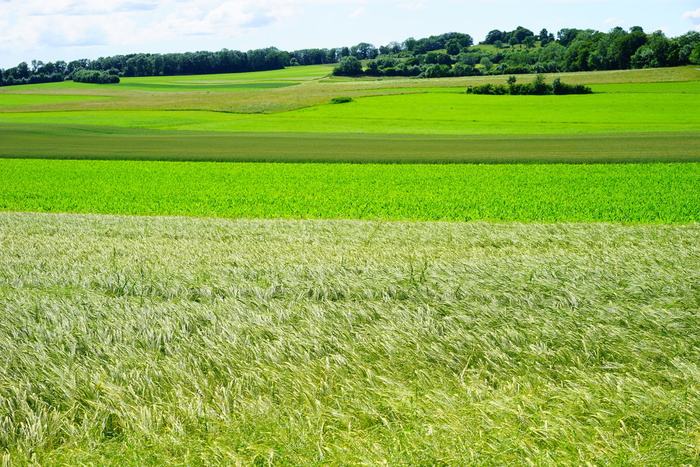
(566, 36)
(437, 71)
(494, 36)
(521, 33)
(452, 47)
(438, 57)
(695, 55)
(470, 59)
(529, 42)
(486, 63)
(623, 48)
(22, 71)
(348, 66)
(410, 44)
(364, 51)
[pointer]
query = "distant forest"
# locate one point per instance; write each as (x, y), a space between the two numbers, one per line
(452, 54)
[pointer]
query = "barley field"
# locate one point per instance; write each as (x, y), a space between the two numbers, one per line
(190, 341)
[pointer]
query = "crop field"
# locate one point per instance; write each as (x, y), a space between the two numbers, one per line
(231, 270)
(270, 116)
(135, 340)
(630, 193)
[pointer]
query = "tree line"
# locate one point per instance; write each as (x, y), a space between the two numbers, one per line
(522, 51)
(109, 69)
(451, 54)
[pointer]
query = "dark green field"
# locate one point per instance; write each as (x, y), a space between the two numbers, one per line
(55, 141)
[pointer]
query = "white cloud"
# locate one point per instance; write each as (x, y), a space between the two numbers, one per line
(614, 21)
(30, 24)
(692, 15)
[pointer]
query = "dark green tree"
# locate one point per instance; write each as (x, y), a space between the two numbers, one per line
(348, 66)
(452, 47)
(493, 36)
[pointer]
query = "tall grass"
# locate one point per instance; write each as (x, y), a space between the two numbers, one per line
(151, 341)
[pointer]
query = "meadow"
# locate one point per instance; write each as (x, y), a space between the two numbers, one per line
(231, 270)
(649, 117)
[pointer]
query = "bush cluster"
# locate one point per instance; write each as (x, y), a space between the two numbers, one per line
(93, 76)
(538, 87)
(341, 100)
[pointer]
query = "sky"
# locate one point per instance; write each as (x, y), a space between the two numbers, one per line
(73, 29)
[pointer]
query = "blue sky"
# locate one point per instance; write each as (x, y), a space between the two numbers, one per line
(72, 29)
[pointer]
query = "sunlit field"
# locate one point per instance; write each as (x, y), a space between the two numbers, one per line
(232, 270)
(628, 193)
(151, 341)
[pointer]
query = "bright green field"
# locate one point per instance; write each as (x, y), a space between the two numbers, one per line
(649, 109)
(637, 193)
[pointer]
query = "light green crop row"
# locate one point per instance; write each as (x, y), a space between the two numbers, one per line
(637, 193)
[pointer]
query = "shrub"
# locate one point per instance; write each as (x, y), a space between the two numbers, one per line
(538, 87)
(82, 75)
(341, 100)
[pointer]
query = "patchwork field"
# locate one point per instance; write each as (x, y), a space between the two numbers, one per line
(231, 270)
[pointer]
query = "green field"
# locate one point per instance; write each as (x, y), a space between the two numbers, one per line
(229, 270)
(630, 193)
(424, 113)
(638, 121)
(60, 141)
(182, 341)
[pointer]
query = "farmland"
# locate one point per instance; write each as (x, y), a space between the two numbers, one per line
(231, 270)
(137, 340)
(630, 193)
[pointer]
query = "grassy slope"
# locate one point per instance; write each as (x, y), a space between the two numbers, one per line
(58, 129)
(151, 341)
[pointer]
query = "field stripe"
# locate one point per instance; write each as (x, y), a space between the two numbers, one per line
(634, 193)
(89, 142)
